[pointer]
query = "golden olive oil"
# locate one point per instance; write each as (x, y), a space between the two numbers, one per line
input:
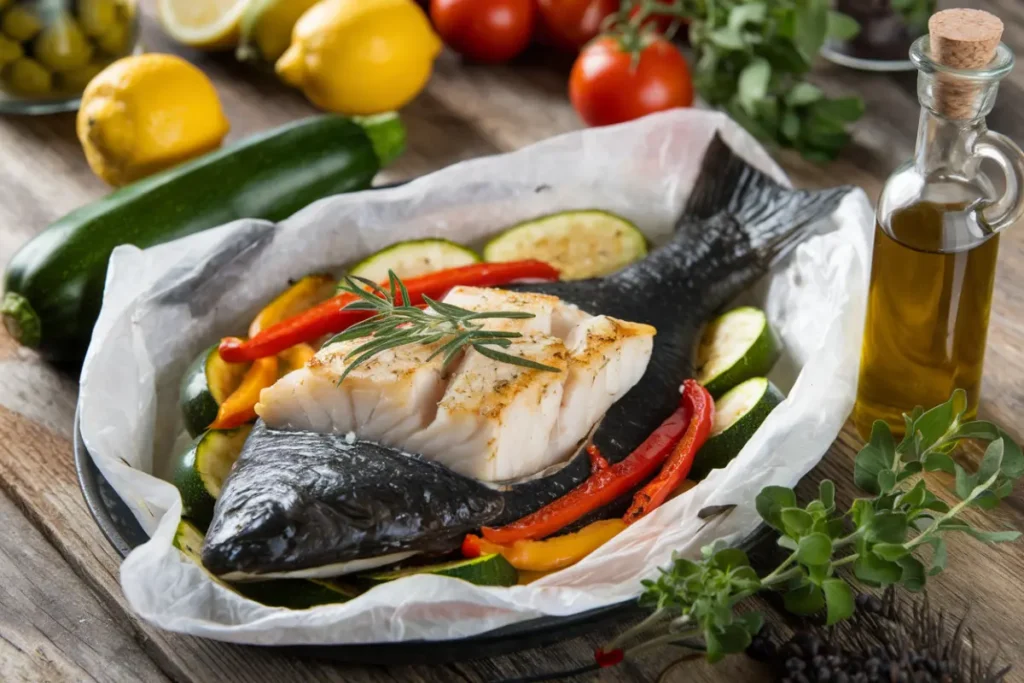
(927, 313)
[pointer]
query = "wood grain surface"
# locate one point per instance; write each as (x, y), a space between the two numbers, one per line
(62, 614)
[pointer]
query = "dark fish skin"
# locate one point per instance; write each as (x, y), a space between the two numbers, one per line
(297, 500)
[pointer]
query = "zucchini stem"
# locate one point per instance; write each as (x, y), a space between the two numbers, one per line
(386, 133)
(21, 320)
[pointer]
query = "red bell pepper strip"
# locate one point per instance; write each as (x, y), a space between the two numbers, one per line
(604, 485)
(331, 316)
(597, 461)
(679, 463)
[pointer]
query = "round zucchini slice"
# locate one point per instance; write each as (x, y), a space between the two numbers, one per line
(486, 570)
(202, 469)
(735, 347)
(580, 244)
(206, 384)
(414, 258)
(738, 415)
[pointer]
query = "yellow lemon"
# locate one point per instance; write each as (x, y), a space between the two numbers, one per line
(267, 28)
(146, 113)
(361, 56)
(206, 24)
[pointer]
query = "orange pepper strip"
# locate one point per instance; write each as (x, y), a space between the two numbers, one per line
(303, 295)
(295, 358)
(240, 406)
(551, 554)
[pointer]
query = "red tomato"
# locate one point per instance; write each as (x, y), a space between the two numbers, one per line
(657, 23)
(484, 30)
(572, 23)
(606, 87)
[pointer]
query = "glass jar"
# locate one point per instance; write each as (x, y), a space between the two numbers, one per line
(936, 242)
(887, 30)
(50, 49)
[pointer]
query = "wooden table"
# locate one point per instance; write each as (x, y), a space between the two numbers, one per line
(62, 614)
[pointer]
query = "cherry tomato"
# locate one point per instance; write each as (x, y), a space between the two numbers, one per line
(606, 87)
(484, 30)
(572, 23)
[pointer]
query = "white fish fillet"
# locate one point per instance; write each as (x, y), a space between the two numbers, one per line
(487, 419)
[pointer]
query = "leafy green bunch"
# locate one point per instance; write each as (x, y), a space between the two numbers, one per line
(752, 59)
(882, 537)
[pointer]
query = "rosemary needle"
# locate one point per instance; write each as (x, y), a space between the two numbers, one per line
(393, 325)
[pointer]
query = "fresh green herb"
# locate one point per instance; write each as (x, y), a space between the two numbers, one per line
(399, 324)
(752, 58)
(915, 13)
(880, 538)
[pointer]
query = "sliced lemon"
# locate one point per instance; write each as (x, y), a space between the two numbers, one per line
(209, 25)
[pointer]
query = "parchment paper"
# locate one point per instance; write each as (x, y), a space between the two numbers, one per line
(163, 305)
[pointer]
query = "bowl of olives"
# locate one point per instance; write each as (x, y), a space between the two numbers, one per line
(51, 49)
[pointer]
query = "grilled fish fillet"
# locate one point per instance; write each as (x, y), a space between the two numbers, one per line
(486, 419)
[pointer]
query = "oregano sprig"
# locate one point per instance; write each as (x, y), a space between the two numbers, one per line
(879, 539)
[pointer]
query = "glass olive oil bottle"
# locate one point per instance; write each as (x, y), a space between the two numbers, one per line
(936, 238)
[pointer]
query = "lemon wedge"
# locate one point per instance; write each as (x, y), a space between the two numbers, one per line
(206, 24)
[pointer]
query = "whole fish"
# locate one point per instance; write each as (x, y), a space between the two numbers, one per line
(271, 519)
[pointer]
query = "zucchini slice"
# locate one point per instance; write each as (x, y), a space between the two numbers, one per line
(206, 384)
(414, 258)
(738, 415)
(486, 570)
(290, 593)
(580, 244)
(202, 469)
(735, 347)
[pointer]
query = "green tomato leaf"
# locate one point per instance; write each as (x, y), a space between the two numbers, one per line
(827, 493)
(753, 84)
(749, 13)
(838, 600)
(913, 578)
(771, 501)
(805, 600)
(889, 551)
(875, 571)
(803, 94)
(888, 527)
(796, 521)
(842, 27)
(814, 549)
(938, 556)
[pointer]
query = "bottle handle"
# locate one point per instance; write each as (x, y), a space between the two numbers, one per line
(1004, 152)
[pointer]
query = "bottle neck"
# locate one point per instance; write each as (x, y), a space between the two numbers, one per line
(946, 146)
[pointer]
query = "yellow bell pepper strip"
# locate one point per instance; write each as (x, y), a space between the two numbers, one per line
(294, 358)
(551, 554)
(240, 406)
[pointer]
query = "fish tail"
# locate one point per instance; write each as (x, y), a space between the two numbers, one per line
(772, 218)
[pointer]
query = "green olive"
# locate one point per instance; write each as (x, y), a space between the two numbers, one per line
(9, 50)
(21, 23)
(96, 16)
(115, 41)
(62, 45)
(26, 76)
(75, 80)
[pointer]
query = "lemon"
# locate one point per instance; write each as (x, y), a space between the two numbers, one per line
(26, 76)
(360, 56)
(267, 28)
(62, 45)
(97, 16)
(206, 24)
(145, 113)
(21, 23)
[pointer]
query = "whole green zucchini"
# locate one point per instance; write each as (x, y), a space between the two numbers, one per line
(53, 287)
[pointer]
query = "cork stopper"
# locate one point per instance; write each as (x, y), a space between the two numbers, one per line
(962, 39)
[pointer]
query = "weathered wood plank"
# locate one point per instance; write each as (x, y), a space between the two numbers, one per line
(51, 626)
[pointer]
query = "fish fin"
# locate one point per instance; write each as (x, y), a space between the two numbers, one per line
(772, 217)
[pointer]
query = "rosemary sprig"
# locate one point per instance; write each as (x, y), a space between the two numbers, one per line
(399, 324)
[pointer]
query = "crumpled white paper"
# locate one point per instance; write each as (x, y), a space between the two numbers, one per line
(163, 305)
